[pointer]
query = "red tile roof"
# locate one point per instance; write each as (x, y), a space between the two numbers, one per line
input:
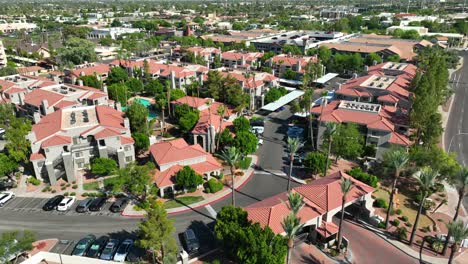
(37, 156)
(56, 140)
(65, 103)
(37, 95)
(293, 60)
(107, 132)
(320, 196)
(206, 119)
(97, 69)
(327, 229)
(25, 70)
(126, 140)
(174, 151)
(6, 84)
(194, 102)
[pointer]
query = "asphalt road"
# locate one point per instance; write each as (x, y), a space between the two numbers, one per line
(456, 131)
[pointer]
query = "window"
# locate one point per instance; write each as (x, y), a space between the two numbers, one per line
(80, 165)
(46, 150)
(126, 148)
(128, 159)
(78, 154)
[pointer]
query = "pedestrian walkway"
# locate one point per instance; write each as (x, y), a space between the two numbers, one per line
(240, 181)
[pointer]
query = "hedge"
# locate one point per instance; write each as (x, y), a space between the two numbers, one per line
(213, 186)
(380, 203)
(364, 177)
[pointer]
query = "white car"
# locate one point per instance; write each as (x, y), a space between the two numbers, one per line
(5, 197)
(123, 250)
(258, 130)
(260, 141)
(66, 203)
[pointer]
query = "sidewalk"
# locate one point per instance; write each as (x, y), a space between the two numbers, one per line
(130, 212)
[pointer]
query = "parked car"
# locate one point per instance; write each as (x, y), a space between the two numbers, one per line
(52, 203)
(257, 122)
(119, 205)
(97, 247)
(258, 130)
(5, 197)
(83, 245)
(83, 206)
(123, 250)
(191, 241)
(66, 203)
(110, 249)
(443, 238)
(7, 184)
(97, 204)
(135, 254)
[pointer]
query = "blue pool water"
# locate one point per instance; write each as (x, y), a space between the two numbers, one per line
(152, 114)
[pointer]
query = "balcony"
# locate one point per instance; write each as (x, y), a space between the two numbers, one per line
(84, 146)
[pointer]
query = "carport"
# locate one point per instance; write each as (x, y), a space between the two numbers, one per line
(291, 96)
(326, 78)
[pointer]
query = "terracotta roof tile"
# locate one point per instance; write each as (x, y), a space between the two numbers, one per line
(174, 151)
(56, 140)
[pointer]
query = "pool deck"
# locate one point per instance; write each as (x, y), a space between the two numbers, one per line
(149, 99)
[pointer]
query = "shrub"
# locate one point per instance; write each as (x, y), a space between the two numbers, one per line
(334, 252)
(74, 182)
(53, 191)
(408, 224)
(396, 222)
(62, 184)
(404, 218)
(438, 187)
(437, 245)
(426, 229)
(68, 185)
(75, 186)
(398, 211)
(244, 163)
(103, 166)
(66, 194)
(221, 176)
(380, 203)
(63, 188)
(315, 162)
(213, 186)
(188, 178)
(364, 177)
(392, 212)
(45, 189)
(381, 225)
(34, 181)
(402, 233)
(73, 194)
(84, 194)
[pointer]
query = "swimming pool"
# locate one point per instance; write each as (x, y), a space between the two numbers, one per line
(145, 102)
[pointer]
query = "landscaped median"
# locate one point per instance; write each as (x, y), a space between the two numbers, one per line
(196, 199)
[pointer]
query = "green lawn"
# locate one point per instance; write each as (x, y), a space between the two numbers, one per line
(92, 186)
(181, 201)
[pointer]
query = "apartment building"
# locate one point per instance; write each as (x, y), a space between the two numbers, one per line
(383, 126)
(3, 57)
(245, 60)
(282, 63)
(208, 54)
(171, 156)
(101, 71)
(64, 141)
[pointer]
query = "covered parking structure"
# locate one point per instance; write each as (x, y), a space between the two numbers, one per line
(326, 78)
(291, 96)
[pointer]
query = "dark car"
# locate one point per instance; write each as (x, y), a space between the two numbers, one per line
(53, 203)
(97, 204)
(135, 254)
(7, 184)
(191, 241)
(83, 206)
(119, 205)
(97, 247)
(83, 245)
(109, 250)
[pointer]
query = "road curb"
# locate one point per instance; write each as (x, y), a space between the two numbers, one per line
(188, 208)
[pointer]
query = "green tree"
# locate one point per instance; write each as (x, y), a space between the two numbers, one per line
(224, 138)
(14, 242)
(107, 41)
(134, 85)
(177, 94)
(396, 160)
(221, 111)
(275, 94)
(294, 145)
(91, 81)
(346, 186)
(103, 166)
(292, 226)
(426, 180)
(373, 58)
(246, 142)
(135, 180)
(289, 74)
(142, 141)
(315, 162)
(330, 132)
(116, 23)
(292, 49)
(459, 231)
(231, 156)
(7, 165)
(188, 178)
(117, 75)
(394, 58)
(347, 142)
(6, 115)
(241, 124)
(324, 54)
(154, 87)
(77, 51)
(8, 70)
(435, 157)
(188, 121)
(17, 145)
(138, 117)
(156, 233)
(75, 32)
(119, 93)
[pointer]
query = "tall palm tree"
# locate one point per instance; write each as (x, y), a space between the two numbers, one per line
(294, 144)
(426, 179)
(296, 202)
(292, 226)
(330, 131)
(461, 184)
(459, 232)
(221, 111)
(231, 156)
(346, 186)
(162, 104)
(397, 160)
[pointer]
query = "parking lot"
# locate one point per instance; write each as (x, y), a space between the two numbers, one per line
(26, 204)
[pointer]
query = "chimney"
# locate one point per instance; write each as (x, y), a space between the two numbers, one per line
(118, 106)
(127, 123)
(242, 84)
(104, 88)
(339, 86)
(201, 78)
(366, 68)
(298, 64)
(242, 60)
(45, 105)
(173, 80)
(80, 82)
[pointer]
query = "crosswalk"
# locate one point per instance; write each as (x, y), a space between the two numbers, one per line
(210, 210)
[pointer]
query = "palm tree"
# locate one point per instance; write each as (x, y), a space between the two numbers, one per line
(231, 156)
(330, 131)
(294, 144)
(162, 103)
(291, 225)
(221, 111)
(296, 202)
(397, 161)
(346, 186)
(426, 179)
(461, 183)
(459, 232)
